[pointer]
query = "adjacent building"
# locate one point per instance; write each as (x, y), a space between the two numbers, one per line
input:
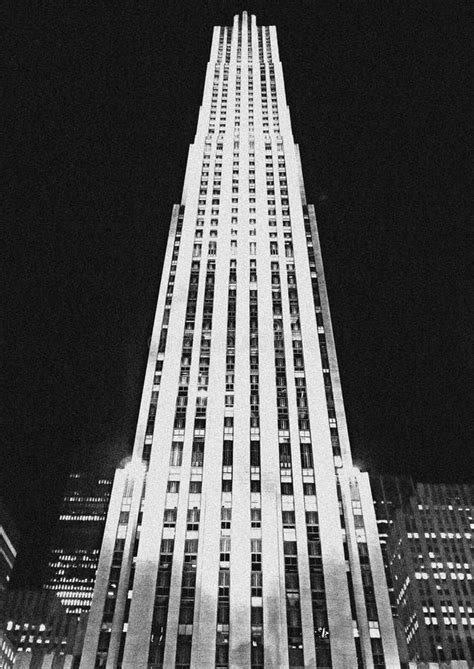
(77, 539)
(240, 534)
(37, 627)
(7, 651)
(431, 557)
(9, 540)
(391, 493)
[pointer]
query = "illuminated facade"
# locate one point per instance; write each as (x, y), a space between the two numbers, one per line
(38, 627)
(77, 539)
(431, 559)
(240, 535)
(7, 651)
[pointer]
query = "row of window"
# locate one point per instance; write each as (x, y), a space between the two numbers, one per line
(223, 592)
(257, 652)
(162, 343)
(293, 608)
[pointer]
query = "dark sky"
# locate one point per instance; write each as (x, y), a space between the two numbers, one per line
(102, 103)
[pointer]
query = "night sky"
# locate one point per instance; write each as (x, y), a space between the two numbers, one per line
(101, 105)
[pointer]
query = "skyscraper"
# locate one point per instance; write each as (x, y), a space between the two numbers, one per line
(240, 534)
(431, 559)
(76, 540)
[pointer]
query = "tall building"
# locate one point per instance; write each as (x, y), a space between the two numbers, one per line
(390, 493)
(240, 534)
(431, 558)
(77, 539)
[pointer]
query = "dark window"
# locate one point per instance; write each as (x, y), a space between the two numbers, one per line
(255, 485)
(227, 453)
(183, 651)
(306, 456)
(226, 485)
(309, 489)
(286, 488)
(195, 486)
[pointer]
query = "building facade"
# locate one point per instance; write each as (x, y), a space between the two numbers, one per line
(41, 633)
(391, 493)
(431, 557)
(7, 651)
(77, 539)
(240, 534)
(9, 540)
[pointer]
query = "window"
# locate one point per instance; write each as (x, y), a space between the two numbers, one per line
(190, 546)
(176, 457)
(197, 457)
(226, 485)
(256, 583)
(167, 546)
(224, 583)
(188, 586)
(255, 517)
(255, 545)
(256, 615)
(255, 485)
(195, 486)
(222, 613)
(169, 518)
(306, 456)
(226, 517)
(193, 519)
(227, 453)
(285, 455)
(173, 486)
(225, 549)
(183, 651)
(124, 517)
(377, 652)
(255, 454)
(288, 518)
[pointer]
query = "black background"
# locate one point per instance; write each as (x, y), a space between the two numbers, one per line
(102, 103)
